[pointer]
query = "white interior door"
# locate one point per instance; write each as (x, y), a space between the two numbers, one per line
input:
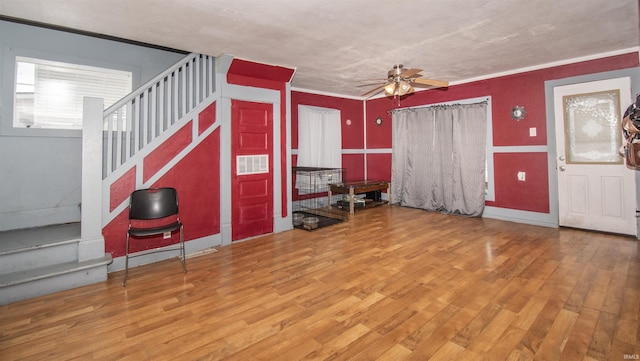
(595, 189)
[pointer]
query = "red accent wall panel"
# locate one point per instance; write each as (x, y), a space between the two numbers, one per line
(115, 234)
(354, 166)
(206, 118)
(507, 92)
(250, 69)
(379, 136)
(197, 180)
(379, 166)
(529, 195)
(166, 151)
(122, 188)
(350, 109)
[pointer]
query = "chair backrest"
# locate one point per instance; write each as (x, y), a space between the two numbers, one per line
(153, 203)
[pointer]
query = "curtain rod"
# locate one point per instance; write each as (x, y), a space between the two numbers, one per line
(442, 105)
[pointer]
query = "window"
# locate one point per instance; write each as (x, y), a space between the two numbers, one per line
(49, 94)
(319, 137)
(319, 145)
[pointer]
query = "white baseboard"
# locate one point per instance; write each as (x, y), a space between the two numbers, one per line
(193, 248)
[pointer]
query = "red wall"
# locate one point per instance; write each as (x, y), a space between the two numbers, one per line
(526, 89)
(531, 195)
(197, 180)
(379, 166)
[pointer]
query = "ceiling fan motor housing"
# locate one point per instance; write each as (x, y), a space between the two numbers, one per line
(396, 71)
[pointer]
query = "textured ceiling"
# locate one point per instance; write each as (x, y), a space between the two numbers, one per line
(333, 44)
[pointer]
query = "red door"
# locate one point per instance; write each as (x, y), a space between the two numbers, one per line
(252, 167)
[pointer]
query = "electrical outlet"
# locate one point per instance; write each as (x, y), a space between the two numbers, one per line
(166, 235)
(533, 132)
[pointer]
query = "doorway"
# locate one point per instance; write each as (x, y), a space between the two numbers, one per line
(252, 169)
(595, 189)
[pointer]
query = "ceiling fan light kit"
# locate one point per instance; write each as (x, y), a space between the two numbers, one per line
(390, 88)
(400, 87)
(405, 88)
(401, 81)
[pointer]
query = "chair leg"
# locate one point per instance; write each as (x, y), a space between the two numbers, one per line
(183, 259)
(126, 262)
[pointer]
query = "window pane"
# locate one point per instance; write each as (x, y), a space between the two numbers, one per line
(50, 94)
(592, 127)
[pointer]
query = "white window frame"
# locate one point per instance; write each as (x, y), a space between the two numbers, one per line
(70, 77)
(8, 69)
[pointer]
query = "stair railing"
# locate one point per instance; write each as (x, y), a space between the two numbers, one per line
(147, 113)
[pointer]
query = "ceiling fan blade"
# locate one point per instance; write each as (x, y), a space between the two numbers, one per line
(372, 84)
(430, 82)
(376, 79)
(375, 90)
(410, 72)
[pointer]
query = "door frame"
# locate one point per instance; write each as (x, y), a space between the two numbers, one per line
(251, 94)
(549, 85)
(255, 227)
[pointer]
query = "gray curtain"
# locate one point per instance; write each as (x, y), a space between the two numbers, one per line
(438, 160)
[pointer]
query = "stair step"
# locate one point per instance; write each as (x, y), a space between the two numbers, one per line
(43, 260)
(19, 240)
(50, 271)
(53, 278)
(25, 249)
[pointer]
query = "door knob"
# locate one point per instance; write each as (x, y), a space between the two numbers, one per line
(561, 158)
(562, 168)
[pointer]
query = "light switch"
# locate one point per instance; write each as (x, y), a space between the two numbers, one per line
(533, 132)
(522, 176)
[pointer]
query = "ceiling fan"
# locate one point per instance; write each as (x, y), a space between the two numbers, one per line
(400, 81)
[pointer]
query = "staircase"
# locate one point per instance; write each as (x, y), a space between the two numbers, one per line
(43, 260)
(147, 116)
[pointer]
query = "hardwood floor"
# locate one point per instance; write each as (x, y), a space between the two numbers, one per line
(391, 284)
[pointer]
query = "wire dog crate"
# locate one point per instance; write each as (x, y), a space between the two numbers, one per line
(311, 208)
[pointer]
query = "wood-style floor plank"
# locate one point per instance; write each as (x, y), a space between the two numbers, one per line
(392, 283)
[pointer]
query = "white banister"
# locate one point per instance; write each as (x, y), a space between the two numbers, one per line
(91, 245)
(136, 120)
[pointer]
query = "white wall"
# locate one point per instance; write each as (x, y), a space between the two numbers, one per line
(40, 170)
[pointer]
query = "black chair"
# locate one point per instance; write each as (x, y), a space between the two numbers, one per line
(145, 206)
